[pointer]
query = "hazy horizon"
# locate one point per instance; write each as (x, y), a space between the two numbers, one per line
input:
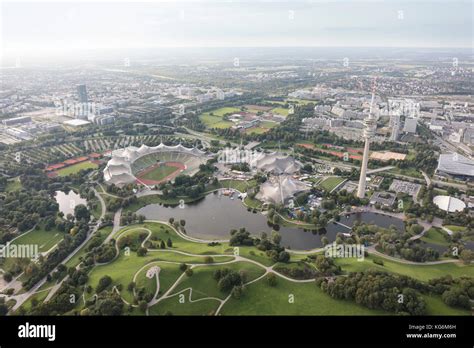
(36, 29)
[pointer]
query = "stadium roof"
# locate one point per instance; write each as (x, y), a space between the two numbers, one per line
(455, 164)
(280, 189)
(449, 204)
(277, 163)
(119, 168)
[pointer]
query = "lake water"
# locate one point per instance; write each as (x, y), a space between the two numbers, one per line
(67, 202)
(215, 215)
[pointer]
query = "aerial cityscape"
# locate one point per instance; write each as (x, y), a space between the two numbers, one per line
(237, 177)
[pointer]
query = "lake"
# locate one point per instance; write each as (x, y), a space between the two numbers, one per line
(215, 215)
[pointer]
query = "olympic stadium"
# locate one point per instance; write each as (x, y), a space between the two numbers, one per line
(152, 165)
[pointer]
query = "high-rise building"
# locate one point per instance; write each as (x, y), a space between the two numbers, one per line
(82, 93)
(395, 125)
(370, 124)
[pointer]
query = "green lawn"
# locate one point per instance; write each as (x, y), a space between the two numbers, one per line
(216, 119)
(436, 306)
(13, 185)
(204, 285)
(159, 173)
(456, 228)
(225, 110)
(253, 203)
(123, 269)
(280, 111)
(173, 306)
(76, 168)
(330, 183)
(421, 272)
(436, 236)
(38, 296)
(239, 185)
(260, 298)
(44, 239)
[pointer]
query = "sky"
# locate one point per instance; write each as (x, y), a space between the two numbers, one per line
(38, 28)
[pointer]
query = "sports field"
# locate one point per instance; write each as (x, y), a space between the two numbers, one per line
(263, 127)
(160, 172)
(76, 168)
(214, 118)
(330, 183)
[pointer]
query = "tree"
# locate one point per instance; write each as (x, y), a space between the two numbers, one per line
(104, 282)
(208, 259)
(237, 292)
(7, 276)
(276, 238)
(169, 243)
(162, 244)
(466, 256)
(284, 256)
(272, 279)
(142, 305)
(131, 286)
(81, 212)
(142, 251)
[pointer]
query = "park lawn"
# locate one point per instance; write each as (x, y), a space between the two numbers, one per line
(174, 307)
(123, 269)
(149, 284)
(13, 185)
(456, 228)
(159, 173)
(252, 203)
(239, 185)
(330, 183)
(44, 239)
(420, 272)
(436, 236)
(225, 110)
(216, 119)
(75, 260)
(204, 285)
(407, 171)
(163, 232)
(280, 111)
(76, 168)
(301, 101)
(253, 253)
(260, 298)
(436, 306)
(133, 234)
(170, 256)
(39, 296)
(256, 130)
(97, 208)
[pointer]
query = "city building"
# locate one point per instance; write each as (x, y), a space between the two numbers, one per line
(82, 93)
(16, 120)
(410, 125)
